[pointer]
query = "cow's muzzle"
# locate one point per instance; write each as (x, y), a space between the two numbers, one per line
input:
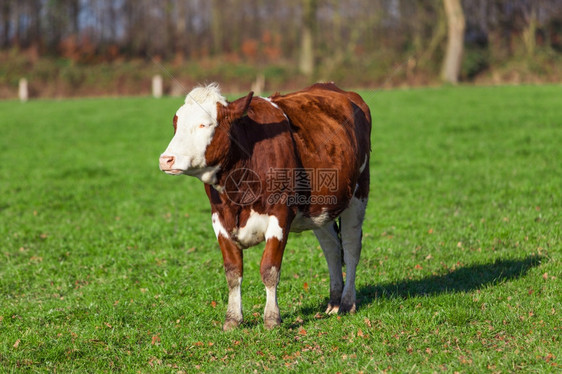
(167, 164)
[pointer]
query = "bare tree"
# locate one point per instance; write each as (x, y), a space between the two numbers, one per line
(307, 57)
(455, 41)
(217, 25)
(529, 33)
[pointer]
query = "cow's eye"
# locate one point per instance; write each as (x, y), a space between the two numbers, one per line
(202, 126)
(175, 121)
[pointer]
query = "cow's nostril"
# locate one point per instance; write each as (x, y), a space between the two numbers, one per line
(166, 162)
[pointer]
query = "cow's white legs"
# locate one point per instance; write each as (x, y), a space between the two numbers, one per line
(271, 314)
(270, 270)
(351, 222)
(331, 247)
(232, 261)
(234, 310)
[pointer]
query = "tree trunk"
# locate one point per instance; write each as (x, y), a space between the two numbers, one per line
(455, 41)
(181, 36)
(217, 26)
(529, 34)
(306, 64)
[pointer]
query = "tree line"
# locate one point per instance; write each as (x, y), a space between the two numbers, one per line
(311, 33)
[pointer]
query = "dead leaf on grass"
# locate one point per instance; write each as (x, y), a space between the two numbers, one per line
(155, 340)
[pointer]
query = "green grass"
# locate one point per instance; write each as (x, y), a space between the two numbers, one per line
(107, 264)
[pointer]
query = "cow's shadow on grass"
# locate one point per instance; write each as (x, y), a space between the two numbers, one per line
(462, 279)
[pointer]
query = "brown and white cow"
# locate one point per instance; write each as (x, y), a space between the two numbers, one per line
(272, 165)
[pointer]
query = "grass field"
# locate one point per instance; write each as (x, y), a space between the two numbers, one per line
(107, 264)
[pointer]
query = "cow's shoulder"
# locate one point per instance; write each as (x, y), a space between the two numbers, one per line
(263, 122)
(265, 111)
(261, 140)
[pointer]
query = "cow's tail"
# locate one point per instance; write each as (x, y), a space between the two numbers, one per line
(337, 228)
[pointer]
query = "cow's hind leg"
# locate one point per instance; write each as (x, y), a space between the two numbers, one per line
(331, 246)
(351, 223)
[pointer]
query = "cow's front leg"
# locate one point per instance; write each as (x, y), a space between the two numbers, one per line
(233, 268)
(270, 270)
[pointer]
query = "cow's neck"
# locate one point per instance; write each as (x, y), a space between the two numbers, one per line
(217, 155)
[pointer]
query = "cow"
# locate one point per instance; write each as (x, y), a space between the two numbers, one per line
(270, 166)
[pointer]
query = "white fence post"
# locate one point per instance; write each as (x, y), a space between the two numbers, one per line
(23, 91)
(157, 86)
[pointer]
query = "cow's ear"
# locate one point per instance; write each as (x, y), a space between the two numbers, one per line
(239, 108)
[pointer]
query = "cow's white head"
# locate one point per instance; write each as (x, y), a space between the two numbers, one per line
(195, 125)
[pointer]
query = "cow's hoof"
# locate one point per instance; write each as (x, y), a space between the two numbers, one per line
(272, 322)
(346, 308)
(230, 324)
(332, 309)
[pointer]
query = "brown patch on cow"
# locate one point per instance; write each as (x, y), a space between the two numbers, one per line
(270, 266)
(219, 150)
(232, 259)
